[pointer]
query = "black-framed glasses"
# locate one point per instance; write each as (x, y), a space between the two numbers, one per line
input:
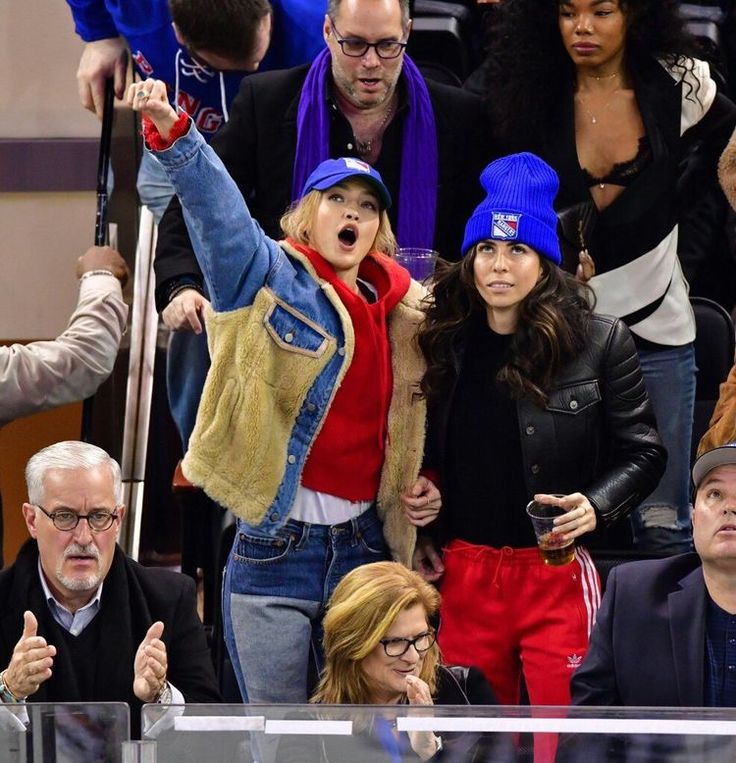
(355, 47)
(67, 520)
(396, 647)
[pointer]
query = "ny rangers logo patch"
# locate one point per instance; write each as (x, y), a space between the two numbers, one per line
(505, 225)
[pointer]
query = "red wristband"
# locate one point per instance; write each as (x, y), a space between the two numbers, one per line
(153, 138)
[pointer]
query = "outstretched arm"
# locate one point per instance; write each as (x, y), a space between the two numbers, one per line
(232, 250)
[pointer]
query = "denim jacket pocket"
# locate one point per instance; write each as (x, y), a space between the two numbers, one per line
(293, 331)
(574, 398)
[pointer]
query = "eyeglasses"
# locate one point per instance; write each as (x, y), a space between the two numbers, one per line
(354, 47)
(67, 520)
(396, 647)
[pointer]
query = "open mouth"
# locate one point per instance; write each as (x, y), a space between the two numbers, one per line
(348, 236)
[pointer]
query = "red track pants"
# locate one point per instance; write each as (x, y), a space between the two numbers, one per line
(505, 611)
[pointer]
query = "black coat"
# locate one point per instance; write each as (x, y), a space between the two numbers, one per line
(596, 435)
(133, 598)
(658, 606)
(258, 143)
(647, 650)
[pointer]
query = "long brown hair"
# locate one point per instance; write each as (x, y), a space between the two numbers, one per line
(551, 330)
(361, 610)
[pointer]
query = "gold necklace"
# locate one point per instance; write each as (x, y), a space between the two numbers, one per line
(599, 77)
(606, 105)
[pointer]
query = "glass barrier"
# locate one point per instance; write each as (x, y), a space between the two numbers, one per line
(63, 732)
(371, 734)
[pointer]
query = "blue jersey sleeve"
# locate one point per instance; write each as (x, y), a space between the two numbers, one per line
(92, 20)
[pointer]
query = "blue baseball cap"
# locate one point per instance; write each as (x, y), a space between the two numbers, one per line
(334, 171)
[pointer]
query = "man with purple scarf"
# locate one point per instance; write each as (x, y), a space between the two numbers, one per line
(363, 97)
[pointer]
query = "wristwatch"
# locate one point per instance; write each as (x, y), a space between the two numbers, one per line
(5, 694)
(164, 696)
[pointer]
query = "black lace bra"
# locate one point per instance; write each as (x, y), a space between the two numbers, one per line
(624, 173)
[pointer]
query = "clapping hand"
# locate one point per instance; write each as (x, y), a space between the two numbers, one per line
(31, 662)
(150, 665)
(424, 743)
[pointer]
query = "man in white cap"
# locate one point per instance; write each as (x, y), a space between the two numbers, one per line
(680, 612)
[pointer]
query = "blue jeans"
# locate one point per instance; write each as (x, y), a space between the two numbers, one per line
(662, 522)
(154, 189)
(274, 595)
(187, 364)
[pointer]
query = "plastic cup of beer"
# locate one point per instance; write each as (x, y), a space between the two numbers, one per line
(419, 262)
(553, 547)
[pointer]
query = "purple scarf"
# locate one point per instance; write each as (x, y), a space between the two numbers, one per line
(418, 185)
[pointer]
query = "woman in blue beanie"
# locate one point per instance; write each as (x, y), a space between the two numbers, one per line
(612, 94)
(530, 394)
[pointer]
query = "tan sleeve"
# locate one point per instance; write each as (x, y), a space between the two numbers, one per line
(44, 374)
(722, 426)
(727, 171)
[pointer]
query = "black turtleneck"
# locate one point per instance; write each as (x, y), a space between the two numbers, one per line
(484, 492)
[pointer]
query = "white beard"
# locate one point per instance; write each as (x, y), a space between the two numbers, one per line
(87, 582)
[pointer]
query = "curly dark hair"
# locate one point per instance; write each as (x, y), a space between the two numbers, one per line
(552, 328)
(528, 71)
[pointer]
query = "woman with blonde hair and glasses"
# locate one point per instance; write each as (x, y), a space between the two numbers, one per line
(380, 649)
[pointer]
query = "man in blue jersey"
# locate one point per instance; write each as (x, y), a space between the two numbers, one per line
(200, 48)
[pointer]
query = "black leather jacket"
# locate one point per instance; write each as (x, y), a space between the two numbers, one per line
(596, 435)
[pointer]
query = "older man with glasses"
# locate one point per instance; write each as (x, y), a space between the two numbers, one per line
(80, 621)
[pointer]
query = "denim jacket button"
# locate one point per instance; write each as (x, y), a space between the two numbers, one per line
(535, 468)
(574, 405)
(288, 337)
(311, 407)
(530, 429)
(341, 351)
(274, 517)
(291, 459)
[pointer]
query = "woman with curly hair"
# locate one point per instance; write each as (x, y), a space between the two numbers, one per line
(530, 395)
(607, 93)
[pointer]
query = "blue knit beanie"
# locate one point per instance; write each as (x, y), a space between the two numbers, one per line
(518, 206)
